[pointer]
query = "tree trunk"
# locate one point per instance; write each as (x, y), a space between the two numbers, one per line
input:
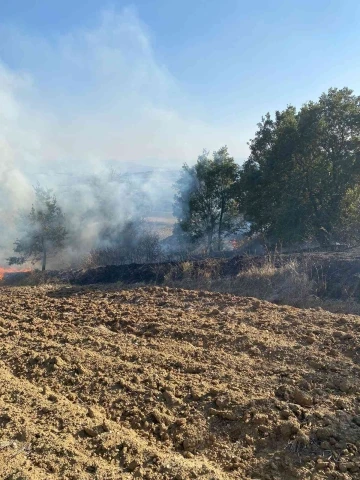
(220, 230)
(210, 242)
(323, 237)
(221, 218)
(43, 267)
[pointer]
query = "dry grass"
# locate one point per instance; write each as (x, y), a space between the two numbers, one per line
(284, 284)
(287, 284)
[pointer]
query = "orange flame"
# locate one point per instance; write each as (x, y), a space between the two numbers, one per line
(3, 271)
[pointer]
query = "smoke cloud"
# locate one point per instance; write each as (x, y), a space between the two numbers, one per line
(85, 102)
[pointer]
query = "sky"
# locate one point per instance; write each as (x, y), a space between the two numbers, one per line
(154, 82)
(85, 84)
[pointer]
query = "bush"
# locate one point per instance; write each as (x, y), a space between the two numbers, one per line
(134, 244)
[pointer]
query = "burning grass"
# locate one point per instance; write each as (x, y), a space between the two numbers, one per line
(6, 270)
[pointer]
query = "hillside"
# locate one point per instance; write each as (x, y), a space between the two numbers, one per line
(159, 383)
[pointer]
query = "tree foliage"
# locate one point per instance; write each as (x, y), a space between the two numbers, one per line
(43, 230)
(302, 165)
(205, 202)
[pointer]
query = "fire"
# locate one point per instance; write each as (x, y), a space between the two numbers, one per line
(3, 271)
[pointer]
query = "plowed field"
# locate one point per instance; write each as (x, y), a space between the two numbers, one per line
(158, 383)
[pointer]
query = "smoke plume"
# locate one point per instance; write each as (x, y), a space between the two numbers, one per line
(80, 104)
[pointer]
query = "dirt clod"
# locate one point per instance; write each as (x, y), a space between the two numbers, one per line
(301, 398)
(90, 432)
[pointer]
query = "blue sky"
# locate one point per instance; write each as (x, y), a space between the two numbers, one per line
(156, 81)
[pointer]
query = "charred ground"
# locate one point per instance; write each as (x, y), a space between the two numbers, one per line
(334, 274)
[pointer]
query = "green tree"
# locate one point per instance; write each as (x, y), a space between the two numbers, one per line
(300, 168)
(43, 230)
(205, 202)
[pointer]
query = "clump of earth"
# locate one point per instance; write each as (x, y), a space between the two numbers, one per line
(159, 383)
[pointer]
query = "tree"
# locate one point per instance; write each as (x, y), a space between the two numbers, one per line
(205, 202)
(300, 168)
(43, 230)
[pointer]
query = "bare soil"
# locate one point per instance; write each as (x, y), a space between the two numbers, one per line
(159, 383)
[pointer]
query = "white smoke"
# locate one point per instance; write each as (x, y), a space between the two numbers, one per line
(81, 100)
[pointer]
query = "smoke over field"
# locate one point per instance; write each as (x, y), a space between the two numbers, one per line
(83, 100)
(96, 209)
